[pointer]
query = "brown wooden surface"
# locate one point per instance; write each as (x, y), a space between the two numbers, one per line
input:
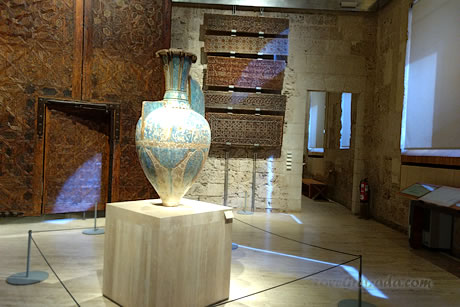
(245, 73)
(245, 101)
(245, 129)
(76, 163)
(456, 237)
(77, 69)
(36, 58)
(80, 49)
(313, 188)
(246, 24)
(246, 45)
(448, 161)
(312, 181)
(120, 66)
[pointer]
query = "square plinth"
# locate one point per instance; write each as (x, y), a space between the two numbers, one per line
(167, 256)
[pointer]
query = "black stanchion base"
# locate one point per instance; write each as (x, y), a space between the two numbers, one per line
(20, 279)
(354, 303)
(92, 231)
(234, 246)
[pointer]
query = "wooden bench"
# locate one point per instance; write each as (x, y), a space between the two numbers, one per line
(313, 188)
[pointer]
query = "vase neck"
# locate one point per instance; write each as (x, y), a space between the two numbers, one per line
(176, 70)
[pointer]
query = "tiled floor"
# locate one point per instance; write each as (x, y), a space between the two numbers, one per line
(262, 261)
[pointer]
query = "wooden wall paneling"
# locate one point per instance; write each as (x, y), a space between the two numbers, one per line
(39, 151)
(246, 45)
(434, 160)
(245, 101)
(77, 70)
(439, 176)
(245, 73)
(245, 129)
(246, 24)
(120, 66)
(36, 58)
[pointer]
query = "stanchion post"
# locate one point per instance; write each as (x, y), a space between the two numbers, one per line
(28, 277)
(29, 239)
(357, 302)
(253, 200)
(226, 179)
(244, 208)
(95, 230)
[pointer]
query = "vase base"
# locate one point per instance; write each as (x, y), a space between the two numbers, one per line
(169, 204)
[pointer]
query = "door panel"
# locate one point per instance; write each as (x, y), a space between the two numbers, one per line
(76, 161)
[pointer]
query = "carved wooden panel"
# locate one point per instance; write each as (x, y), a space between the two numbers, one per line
(246, 24)
(36, 58)
(245, 73)
(245, 101)
(246, 45)
(245, 129)
(120, 66)
(122, 39)
(76, 173)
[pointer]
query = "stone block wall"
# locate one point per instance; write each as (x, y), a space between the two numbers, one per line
(383, 117)
(361, 53)
(327, 52)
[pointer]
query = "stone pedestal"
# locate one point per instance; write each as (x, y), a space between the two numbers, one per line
(167, 256)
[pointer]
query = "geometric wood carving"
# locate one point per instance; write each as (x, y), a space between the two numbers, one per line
(36, 58)
(245, 73)
(245, 101)
(246, 45)
(42, 54)
(246, 129)
(120, 66)
(246, 24)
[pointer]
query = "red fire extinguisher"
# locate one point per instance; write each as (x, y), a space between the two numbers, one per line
(364, 190)
(364, 199)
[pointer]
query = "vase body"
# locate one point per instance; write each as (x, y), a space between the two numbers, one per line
(172, 139)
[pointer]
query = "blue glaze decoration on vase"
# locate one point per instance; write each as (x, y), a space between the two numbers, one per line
(172, 140)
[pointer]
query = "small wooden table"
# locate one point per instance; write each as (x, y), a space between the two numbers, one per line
(315, 188)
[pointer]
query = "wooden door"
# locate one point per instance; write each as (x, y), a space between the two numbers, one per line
(76, 160)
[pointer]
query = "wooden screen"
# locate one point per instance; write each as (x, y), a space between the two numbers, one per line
(245, 129)
(245, 73)
(246, 45)
(36, 58)
(246, 59)
(120, 66)
(245, 101)
(85, 50)
(246, 24)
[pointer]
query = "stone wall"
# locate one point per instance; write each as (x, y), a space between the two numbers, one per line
(327, 52)
(361, 53)
(383, 117)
